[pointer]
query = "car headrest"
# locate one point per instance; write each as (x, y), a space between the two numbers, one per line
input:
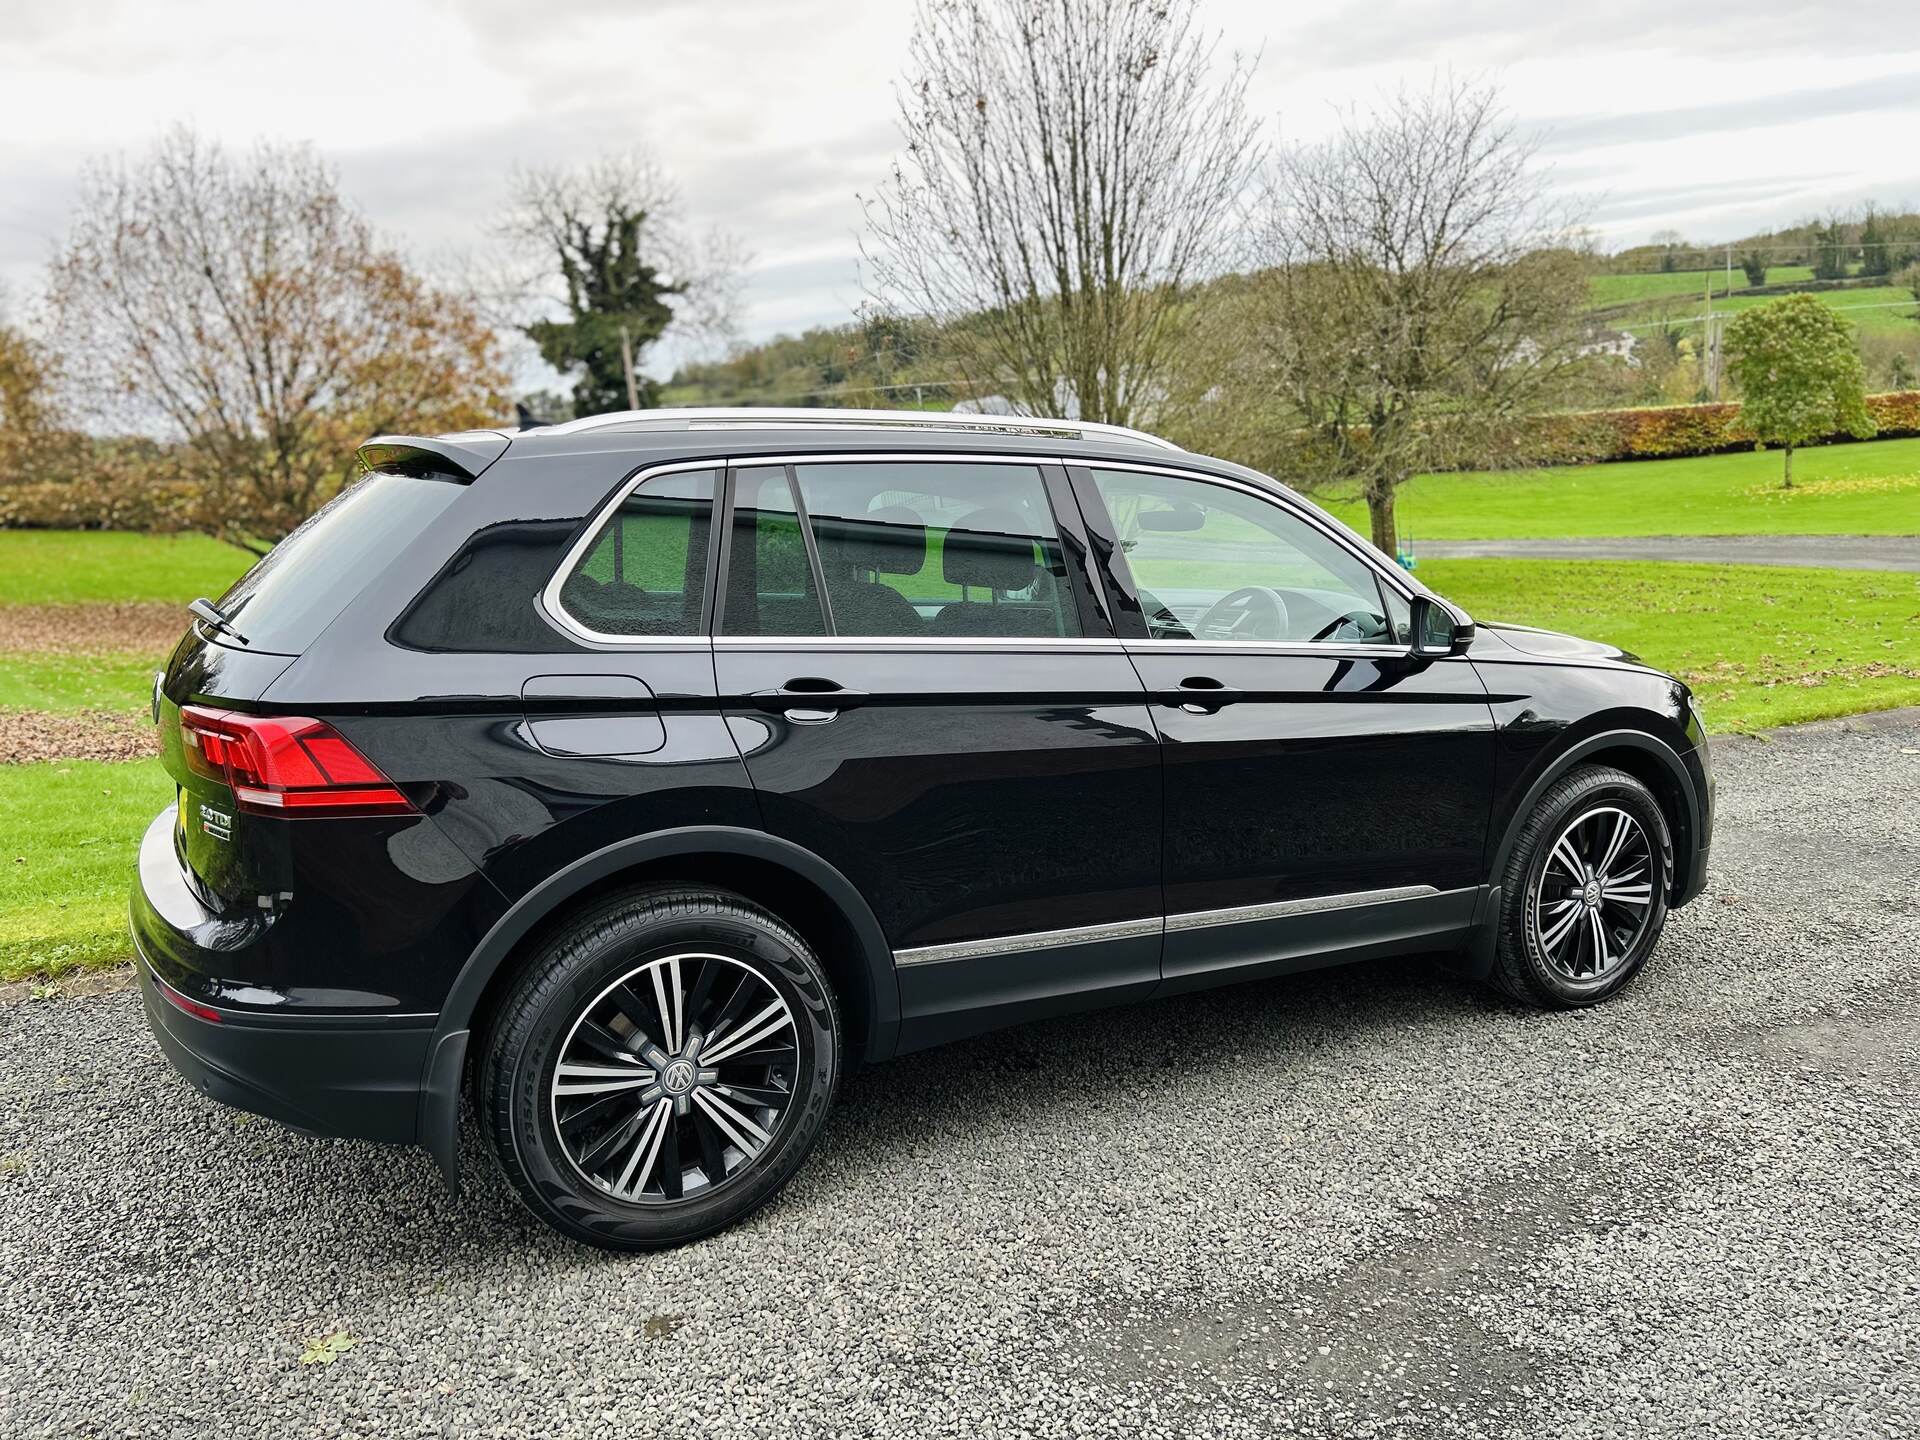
(891, 540)
(990, 548)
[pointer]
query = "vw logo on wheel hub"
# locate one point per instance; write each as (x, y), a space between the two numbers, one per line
(1591, 895)
(678, 1077)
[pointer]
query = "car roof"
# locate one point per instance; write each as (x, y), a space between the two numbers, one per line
(659, 436)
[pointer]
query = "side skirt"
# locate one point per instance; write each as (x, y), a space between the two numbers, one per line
(951, 991)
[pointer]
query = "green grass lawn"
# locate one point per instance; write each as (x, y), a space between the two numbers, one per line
(1864, 489)
(72, 829)
(1762, 645)
(77, 682)
(1624, 289)
(59, 567)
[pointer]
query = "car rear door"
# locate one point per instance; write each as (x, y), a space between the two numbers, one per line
(927, 694)
(1327, 792)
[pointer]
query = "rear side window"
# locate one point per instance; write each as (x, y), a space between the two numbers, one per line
(770, 583)
(300, 588)
(907, 549)
(645, 572)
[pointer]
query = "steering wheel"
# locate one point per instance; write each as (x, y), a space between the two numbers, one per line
(1235, 616)
(1365, 621)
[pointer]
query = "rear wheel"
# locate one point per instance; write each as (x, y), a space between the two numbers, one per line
(1584, 895)
(661, 1068)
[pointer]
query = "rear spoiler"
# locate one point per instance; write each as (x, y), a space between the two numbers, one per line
(467, 453)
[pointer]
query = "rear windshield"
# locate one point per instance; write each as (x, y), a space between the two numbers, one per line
(284, 602)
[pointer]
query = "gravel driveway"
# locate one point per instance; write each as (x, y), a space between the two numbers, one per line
(1361, 1202)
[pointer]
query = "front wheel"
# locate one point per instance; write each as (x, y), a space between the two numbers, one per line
(661, 1068)
(1584, 894)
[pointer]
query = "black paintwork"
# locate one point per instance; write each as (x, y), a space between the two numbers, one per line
(950, 794)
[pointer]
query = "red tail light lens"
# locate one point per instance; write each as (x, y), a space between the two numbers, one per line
(285, 765)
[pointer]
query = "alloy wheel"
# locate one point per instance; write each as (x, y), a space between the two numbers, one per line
(675, 1078)
(1593, 899)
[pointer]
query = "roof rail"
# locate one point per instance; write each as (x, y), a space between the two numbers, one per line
(746, 417)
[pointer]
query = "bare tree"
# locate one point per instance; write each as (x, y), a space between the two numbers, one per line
(1420, 300)
(244, 309)
(609, 246)
(1071, 166)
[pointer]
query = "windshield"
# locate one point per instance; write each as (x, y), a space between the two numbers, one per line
(284, 602)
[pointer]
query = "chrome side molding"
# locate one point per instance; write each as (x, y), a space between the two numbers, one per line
(1156, 924)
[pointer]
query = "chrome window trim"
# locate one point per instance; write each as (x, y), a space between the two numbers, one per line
(936, 643)
(561, 619)
(1284, 499)
(1168, 924)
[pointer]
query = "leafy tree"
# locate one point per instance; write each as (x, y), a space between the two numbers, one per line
(1830, 250)
(612, 234)
(1071, 167)
(1755, 264)
(1876, 246)
(241, 308)
(1419, 301)
(1799, 375)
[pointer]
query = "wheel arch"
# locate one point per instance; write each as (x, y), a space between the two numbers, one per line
(1643, 755)
(803, 889)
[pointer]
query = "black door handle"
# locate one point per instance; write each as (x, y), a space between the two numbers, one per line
(1203, 695)
(811, 693)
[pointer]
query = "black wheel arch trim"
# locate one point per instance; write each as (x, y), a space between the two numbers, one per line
(441, 1081)
(1479, 953)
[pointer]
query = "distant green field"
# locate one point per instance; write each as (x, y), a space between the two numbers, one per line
(50, 567)
(1885, 309)
(1623, 289)
(1861, 489)
(1761, 645)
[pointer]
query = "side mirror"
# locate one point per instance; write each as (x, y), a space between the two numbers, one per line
(1438, 628)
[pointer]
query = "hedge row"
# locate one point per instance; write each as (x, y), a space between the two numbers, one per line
(1666, 432)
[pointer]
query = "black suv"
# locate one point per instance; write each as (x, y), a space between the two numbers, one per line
(636, 776)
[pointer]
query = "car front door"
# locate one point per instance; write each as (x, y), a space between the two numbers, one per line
(1327, 792)
(919, 675)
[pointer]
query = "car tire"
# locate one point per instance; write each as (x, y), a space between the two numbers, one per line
(660, 1068)
(1583, 896)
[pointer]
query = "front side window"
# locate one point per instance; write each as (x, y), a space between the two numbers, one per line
(1212, 563)
(645, 574)
(938, 549)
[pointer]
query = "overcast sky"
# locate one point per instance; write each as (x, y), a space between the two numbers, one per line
(774, 113)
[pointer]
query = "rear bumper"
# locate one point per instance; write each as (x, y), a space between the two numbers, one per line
(335, 1077)
(352, 1075)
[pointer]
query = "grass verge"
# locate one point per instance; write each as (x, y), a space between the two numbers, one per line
(72, 828)
(1761, 645)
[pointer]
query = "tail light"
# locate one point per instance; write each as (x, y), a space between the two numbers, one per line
(285, 765)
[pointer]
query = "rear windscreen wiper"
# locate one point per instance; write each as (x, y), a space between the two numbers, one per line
(209, 614)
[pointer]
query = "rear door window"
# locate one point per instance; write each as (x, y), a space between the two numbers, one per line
(906, 550)
(282, 604)
(645, 571)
